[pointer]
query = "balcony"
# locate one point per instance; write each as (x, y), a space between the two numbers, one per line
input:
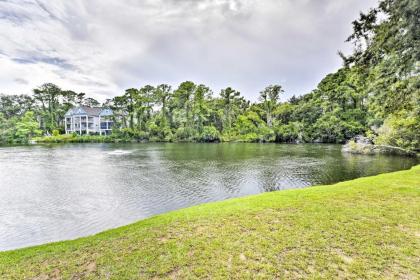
(106, 125)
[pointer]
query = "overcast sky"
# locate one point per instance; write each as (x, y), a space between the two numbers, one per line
(103, 47)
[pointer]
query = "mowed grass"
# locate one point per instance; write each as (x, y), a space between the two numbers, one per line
(360, 229)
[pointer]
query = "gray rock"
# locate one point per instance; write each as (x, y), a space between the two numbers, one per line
(354, 147)
(360, 139)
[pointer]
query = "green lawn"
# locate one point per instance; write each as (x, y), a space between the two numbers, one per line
(365, 228)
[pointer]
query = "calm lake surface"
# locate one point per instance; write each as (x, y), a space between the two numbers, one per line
(57, 192)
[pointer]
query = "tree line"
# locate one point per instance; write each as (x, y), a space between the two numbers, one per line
(375, 93)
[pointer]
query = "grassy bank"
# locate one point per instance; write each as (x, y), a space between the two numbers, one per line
(70, 138)
(365, 228)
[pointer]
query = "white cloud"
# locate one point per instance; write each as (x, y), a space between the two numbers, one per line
(103, 47)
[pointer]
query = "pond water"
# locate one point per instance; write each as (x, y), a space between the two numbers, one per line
(57, 192)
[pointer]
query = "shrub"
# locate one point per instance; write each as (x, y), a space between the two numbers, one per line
(401, 130)
(251, 128)
(26, 128)
(289, 133)
(127, 134)
(185, 133)
(332, 129)
(209, 134)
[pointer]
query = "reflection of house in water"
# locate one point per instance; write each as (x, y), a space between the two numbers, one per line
(88, 120)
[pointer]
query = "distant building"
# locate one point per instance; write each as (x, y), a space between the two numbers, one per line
(87, 120)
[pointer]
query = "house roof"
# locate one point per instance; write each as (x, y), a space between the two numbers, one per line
(90, 111)
(106, 112)
(95, 111)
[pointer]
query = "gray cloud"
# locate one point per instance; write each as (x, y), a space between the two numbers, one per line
(62, 63)
(102, 48)
(21, 81)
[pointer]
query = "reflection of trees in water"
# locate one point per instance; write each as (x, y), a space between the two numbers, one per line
(96, 188)
(353, 166)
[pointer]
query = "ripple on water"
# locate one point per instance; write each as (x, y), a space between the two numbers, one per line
(64, 192)
(119, 152)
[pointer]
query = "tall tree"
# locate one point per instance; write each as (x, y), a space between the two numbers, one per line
(200, 106)
(230, 102)
(48, 95)
(16, 105)
(386, 41)
(128, 102)
(80, 98)
(91, 102)
(183, 97)
(162, 96)
(144, 105)
(270, 97)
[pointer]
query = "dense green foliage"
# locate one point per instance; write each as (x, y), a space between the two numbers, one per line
(362, 229)
(375, 93)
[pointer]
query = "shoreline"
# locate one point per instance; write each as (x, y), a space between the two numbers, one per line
(357, 210)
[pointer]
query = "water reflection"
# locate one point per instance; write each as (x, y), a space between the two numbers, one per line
(58, 192)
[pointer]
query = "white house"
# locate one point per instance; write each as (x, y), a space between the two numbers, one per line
(88, 120)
